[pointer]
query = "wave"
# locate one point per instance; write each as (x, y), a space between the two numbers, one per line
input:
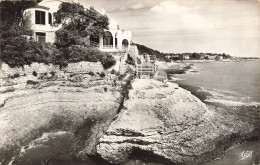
(233, 103)
(229, 98)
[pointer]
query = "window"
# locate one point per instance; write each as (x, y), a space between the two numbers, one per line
(50, 18)
(40, 37)
(39, 17)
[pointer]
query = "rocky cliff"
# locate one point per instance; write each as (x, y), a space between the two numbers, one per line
(78, 106)
(69, 117)
(162, 121)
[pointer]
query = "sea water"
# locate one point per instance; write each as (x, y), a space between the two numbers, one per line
(237, 82)
(230, 83)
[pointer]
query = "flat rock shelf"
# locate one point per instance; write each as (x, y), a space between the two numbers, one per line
(162, 121)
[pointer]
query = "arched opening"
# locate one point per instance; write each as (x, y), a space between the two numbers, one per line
(108, 40)
(125, 44)
(94, 41)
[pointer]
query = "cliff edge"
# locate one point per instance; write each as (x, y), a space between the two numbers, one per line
(162, 121)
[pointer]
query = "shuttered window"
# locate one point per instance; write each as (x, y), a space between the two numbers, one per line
(39, 17)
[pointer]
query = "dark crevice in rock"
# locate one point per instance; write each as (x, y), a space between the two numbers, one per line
(98, 159)
(2, 104)
(133, 141)
(125, 87)
(145, 155)
(127, 133)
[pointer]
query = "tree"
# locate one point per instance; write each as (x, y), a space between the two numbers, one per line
(195, 56)
(11, 22)
(14, 47)
(78, 24)
(12, 11)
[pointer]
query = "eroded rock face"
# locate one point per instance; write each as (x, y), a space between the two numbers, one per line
(84, 108)
(166, 122)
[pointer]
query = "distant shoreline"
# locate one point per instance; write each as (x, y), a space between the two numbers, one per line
(213, 61)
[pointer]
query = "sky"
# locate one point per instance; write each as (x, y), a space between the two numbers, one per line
(179, 26)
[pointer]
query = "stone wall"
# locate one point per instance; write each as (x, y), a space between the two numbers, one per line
(79, 67)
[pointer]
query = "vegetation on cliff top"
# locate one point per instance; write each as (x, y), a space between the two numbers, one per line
(78, 24)
(144, 49)
(18, 51)
(178, 56)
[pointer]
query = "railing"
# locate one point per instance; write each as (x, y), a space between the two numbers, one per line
(93, 43)
(145, 70)
(107, 46)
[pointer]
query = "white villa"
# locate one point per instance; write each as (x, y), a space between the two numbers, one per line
(41, 19)
(114, 39)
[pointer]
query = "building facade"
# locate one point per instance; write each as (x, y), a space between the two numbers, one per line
(40, 19)
(115, 40)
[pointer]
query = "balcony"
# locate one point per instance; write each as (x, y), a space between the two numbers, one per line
(107, 46)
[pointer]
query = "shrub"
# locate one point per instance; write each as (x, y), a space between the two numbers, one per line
(121, 77)
(19, 52)
(15, 75)
(130, 60)
(91, 73)
(76, 53)
(34, 74)
(31, 51)
(102, 74)
(105, 89)
(113, 71)
(52, 73)
(32, 82)
(107, 61)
